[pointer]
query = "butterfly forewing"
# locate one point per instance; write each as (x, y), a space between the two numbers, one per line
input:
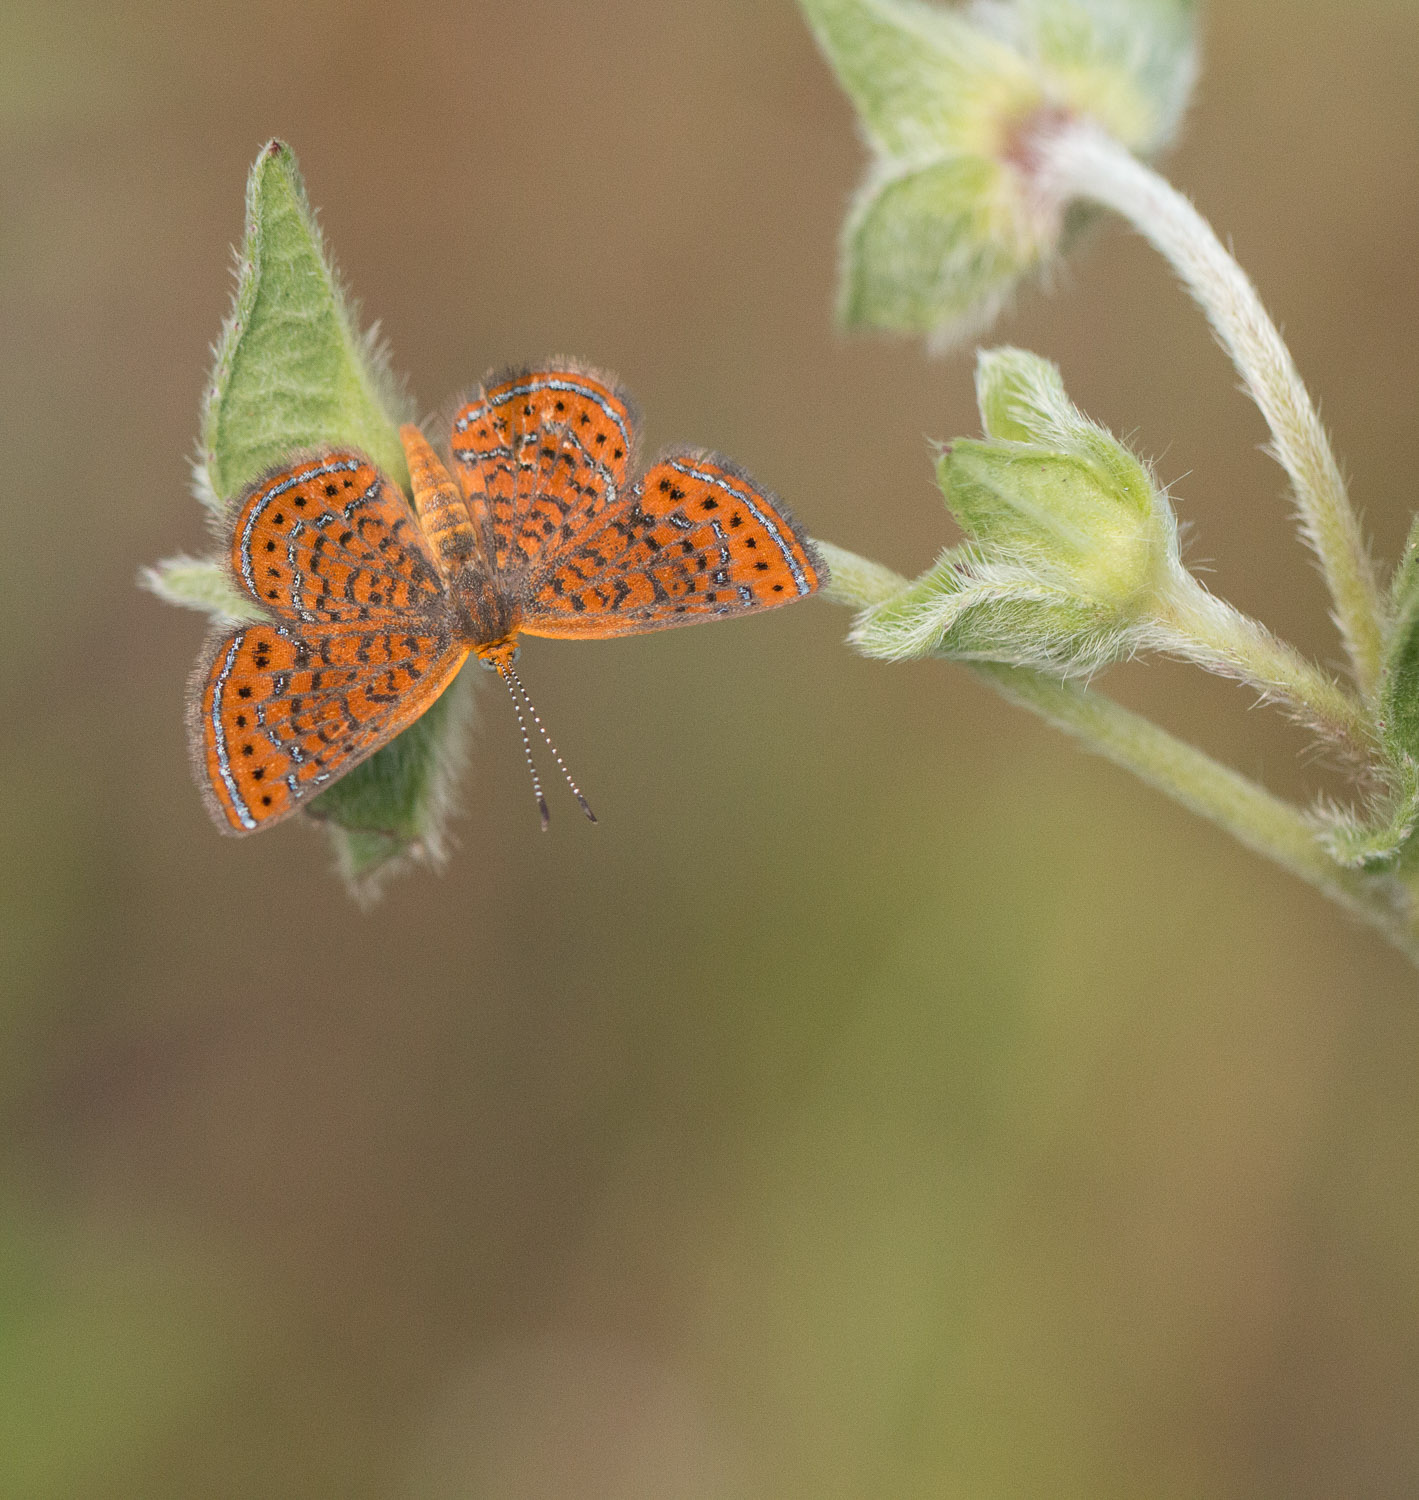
(328, 540)
(540, 455)
(696, 538)
(372, 608)
(277, 715)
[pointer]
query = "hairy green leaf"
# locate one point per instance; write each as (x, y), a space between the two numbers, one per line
(1022, 399)
(293, 371)
(1399, 700)
(1129, 64)
(971, 610)
(199, 583)
(923, 251)
(912, 69)
(396, 805)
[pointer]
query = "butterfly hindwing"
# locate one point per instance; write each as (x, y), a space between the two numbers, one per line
(540, 455)
(274, 716)
(326, 539)
(694, 539)
(372, 607)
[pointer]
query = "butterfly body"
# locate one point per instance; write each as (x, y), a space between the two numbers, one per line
(536, 527)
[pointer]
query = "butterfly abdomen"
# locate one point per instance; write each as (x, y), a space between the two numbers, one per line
(371, 608)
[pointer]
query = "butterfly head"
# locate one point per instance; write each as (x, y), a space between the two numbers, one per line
(496, 655)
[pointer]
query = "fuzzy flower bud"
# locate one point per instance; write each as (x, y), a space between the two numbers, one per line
(950, 217)
(1070, 543)
(1053, 491)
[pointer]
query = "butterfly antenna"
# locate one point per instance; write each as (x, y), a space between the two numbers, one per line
(506, 674)
(515, 682)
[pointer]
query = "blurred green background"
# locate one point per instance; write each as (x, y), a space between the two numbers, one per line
(885, 1100)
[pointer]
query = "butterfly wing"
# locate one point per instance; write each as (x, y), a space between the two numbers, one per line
(694, 539)
(540, 455)
(326, 540)
(275, 716)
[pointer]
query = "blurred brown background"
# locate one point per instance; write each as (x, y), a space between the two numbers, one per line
(885, 1100)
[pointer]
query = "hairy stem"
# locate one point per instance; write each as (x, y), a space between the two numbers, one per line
(1263, 822)
(1080, 161)
(1202, 628)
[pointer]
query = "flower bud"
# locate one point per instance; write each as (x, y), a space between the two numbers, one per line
(1070, 549)
(950, 218)
(1055, 493)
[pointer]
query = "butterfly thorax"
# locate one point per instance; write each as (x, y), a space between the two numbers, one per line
(484, 616)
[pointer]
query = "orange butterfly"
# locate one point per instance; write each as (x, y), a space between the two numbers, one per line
(372, 607)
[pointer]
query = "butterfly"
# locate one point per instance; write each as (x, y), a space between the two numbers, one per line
(537, 525)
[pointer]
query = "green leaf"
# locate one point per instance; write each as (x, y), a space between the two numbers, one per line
(1129, 64)
(912, 70)
(1022, 398)
(1377, 837)
(1050, 513)
(293, 371)
(855, 580)
(1070, 545)
(1399, 690)
(199, 583)
(969, 609)
(926, 251)
(939, 234)
(395, 806)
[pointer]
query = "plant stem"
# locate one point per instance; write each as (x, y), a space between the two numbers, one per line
(1263, 822)
(1081, 161)
(1251, 814)
(1209, 631)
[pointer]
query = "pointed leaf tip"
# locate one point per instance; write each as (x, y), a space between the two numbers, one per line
(292, 369)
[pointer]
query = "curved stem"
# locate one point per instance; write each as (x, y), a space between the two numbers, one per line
(1081, 161)
(1262, 821)
(1251, 814)
(1199, 627)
